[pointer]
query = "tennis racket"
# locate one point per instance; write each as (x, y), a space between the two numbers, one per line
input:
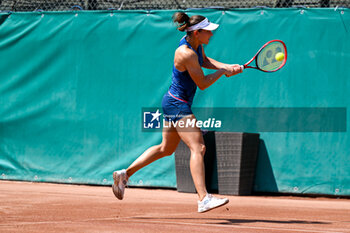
(265, 58)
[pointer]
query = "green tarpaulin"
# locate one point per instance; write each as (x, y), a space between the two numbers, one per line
(73, 86)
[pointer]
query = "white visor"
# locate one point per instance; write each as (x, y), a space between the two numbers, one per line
(204, 24)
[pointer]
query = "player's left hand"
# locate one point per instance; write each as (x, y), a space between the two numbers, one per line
(233, 70)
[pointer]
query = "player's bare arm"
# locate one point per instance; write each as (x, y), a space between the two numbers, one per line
(187, 59)
(211, 63)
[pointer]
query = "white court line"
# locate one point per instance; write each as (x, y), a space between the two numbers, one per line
(244, 217)
(132, 219)
(56, 222)
(227, 226)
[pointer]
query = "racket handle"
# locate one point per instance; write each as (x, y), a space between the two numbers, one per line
(242, 67)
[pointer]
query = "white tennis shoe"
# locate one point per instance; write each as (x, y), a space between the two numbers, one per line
(210, 202)
(120, 180)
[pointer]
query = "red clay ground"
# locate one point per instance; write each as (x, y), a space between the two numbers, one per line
(41, 207)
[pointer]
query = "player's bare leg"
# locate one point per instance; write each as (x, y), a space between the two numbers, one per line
(169, 143)
(193, 138)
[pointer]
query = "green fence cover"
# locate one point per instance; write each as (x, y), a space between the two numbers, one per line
(73, 85)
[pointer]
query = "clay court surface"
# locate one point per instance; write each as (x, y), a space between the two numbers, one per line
(43, 207)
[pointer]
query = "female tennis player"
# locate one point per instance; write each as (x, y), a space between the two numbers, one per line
(186, 77)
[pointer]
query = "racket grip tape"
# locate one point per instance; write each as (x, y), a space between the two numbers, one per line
(242, 67)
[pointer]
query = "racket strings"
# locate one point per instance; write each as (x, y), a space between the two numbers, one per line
(266, 58)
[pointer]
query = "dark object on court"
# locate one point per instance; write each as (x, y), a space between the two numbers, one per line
(230, 163)
(236, 158)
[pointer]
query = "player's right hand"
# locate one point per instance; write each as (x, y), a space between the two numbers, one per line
(233, 70)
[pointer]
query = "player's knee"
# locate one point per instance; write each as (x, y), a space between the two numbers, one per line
(199, 148)
(203, 149)
(166, 151)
